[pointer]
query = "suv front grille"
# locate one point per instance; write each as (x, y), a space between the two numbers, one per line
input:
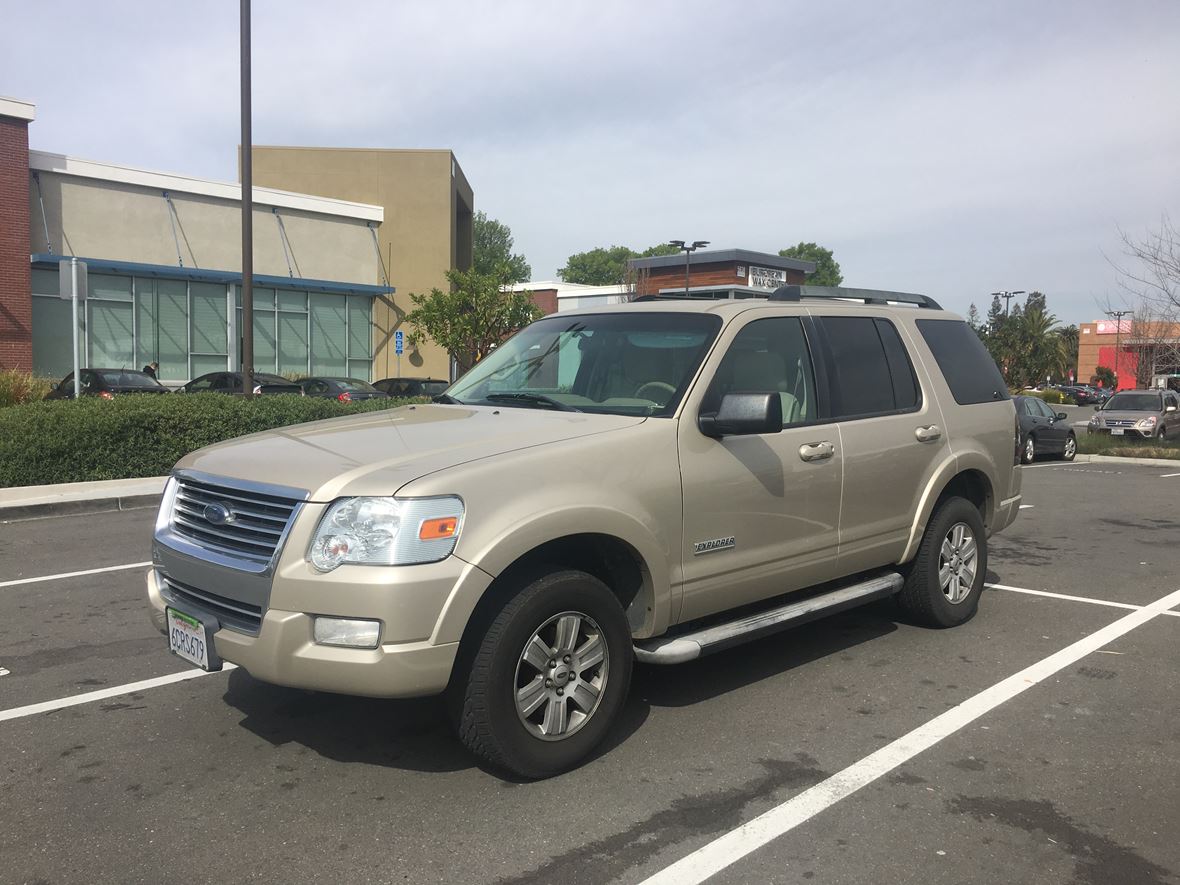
(1120, 422)
(253, 525)
(240, 616)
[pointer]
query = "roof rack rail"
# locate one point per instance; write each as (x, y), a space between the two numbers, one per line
(868, 296)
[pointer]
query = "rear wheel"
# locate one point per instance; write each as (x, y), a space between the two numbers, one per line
(1163, 432)
(945, 579)
(549, 677)
(1029, 452)
(1071, 448)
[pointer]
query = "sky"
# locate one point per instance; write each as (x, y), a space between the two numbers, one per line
(951, 149)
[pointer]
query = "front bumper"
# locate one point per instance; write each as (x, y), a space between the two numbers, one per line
(1127, 431)
(284, 652)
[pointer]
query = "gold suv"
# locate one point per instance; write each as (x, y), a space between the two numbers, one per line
(652, 481)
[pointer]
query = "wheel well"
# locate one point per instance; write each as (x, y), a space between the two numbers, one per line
(612, 560)
(974, 486)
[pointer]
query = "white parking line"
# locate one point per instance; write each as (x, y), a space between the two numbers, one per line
(91, 571)
(1167, 475)
(750, 836)
(1090, 599)
(103, 693)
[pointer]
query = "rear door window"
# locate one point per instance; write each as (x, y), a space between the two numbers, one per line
(968, 368)
(870, 370)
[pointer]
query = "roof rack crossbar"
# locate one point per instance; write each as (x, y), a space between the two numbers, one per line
(868, 296)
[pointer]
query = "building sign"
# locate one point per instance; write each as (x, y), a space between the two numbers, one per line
(1122, 327)
(767, 277)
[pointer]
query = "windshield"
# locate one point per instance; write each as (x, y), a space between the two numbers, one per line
(1134, 402)
(354, 385)
(628, 363)
(128, 379)
(264, 378)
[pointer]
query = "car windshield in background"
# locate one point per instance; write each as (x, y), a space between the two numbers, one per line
(128, 379)
(434, 388)
(620, 364)
(1134, 402)
(354, 385)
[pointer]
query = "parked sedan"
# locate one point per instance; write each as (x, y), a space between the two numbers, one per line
(1083, 396)
(343, 389)
(411, 386)
(231, 382)
(1043, 431)
(106, 384)
(1140, 413)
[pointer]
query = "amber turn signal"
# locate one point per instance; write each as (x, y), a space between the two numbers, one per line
(437, 529)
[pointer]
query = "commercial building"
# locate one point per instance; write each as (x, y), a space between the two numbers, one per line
(1136, 351)
(163, 254)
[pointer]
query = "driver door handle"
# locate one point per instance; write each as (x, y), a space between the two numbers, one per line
(929, 433)
(818, 451)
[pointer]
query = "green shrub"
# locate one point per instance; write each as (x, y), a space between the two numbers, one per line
(131, 436)
(1056, 397)
(21, 387)
(1127, 446)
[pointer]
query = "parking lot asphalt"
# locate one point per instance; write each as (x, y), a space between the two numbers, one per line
(1073, 778)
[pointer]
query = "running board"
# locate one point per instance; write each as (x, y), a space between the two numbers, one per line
(688, 646)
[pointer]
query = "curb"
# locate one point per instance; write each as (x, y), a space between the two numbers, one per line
(1117, 459)
(69, 499)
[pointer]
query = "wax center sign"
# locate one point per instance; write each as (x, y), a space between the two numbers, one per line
(767, 277)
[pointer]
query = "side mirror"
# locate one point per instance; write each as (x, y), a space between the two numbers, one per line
(1096, 408)
(743, 414)
(1061, 416)
(1169, 408)
(55, 385)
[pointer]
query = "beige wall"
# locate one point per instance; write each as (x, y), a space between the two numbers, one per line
(426, 232)
(107, 219)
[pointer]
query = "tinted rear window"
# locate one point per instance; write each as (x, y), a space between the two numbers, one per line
(128, 379)
(968, 368)
(872, 374)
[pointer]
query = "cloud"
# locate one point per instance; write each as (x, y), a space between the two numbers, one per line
(935, 147)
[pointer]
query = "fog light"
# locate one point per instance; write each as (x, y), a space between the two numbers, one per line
(347, 632)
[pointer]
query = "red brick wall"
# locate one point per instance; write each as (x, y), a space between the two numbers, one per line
(546, 299)
(720, 274)
(16, 302)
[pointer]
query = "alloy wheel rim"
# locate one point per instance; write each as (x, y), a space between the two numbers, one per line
(958, 560)
(1030, 449)
(560, 676)
(1070, 446)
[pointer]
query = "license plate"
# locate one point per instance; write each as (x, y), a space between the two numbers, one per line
(188, 638)
(1117, 431)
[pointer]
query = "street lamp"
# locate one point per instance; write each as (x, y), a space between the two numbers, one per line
(1008, 296)
(1118, 339)
(688, 249)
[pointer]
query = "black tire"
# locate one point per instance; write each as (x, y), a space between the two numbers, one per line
(488, 722)
(1163, 432)
(1069, 452)
(1028, 450)
(922, 596)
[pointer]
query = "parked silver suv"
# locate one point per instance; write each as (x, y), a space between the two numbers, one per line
(652, 482)
(1143, 414)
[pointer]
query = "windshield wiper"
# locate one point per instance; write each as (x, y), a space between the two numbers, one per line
(535, 399)
(446, 400)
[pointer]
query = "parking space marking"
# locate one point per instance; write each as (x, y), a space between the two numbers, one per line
(91, 571)
(731, 847)
(103, 693)
(1167, 475)
(1089, 599)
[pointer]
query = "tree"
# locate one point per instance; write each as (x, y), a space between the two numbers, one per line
(659, 249)
(480, 311)
(973, 320)
(491, 247)
(1069, 351)
(827, 270)
(598, 267)
(1105, 376)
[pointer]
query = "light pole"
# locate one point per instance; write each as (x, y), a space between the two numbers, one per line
(688, 249)
(1008, 296)
(247, 210)
(1118, 339)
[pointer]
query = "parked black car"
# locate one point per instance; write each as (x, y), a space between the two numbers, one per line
(1043, 431)
(1083, 396)
(343, 389)
(107, 384)
(231, 382)
(404, 387)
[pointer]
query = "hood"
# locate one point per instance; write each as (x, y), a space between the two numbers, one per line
(378, 452)
(1108, 415)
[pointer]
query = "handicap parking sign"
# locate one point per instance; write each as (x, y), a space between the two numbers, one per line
(399, 342)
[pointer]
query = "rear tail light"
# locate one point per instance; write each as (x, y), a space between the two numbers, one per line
(345, 397)
(105, 394)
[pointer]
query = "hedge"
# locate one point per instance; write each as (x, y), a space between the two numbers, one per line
(132, 436)
(1056, 397)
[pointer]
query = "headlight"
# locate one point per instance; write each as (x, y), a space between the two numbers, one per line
(1095, 420)
(1146, 423)
(386, 531)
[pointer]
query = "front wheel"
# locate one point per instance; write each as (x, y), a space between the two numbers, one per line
(549, 678)
(945, 579)
(1163, 434)
(1071, 448)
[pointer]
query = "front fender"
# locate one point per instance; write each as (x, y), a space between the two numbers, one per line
(543, 526)
(952, 466)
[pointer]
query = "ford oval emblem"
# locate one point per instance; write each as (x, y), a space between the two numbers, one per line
(218, 514)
